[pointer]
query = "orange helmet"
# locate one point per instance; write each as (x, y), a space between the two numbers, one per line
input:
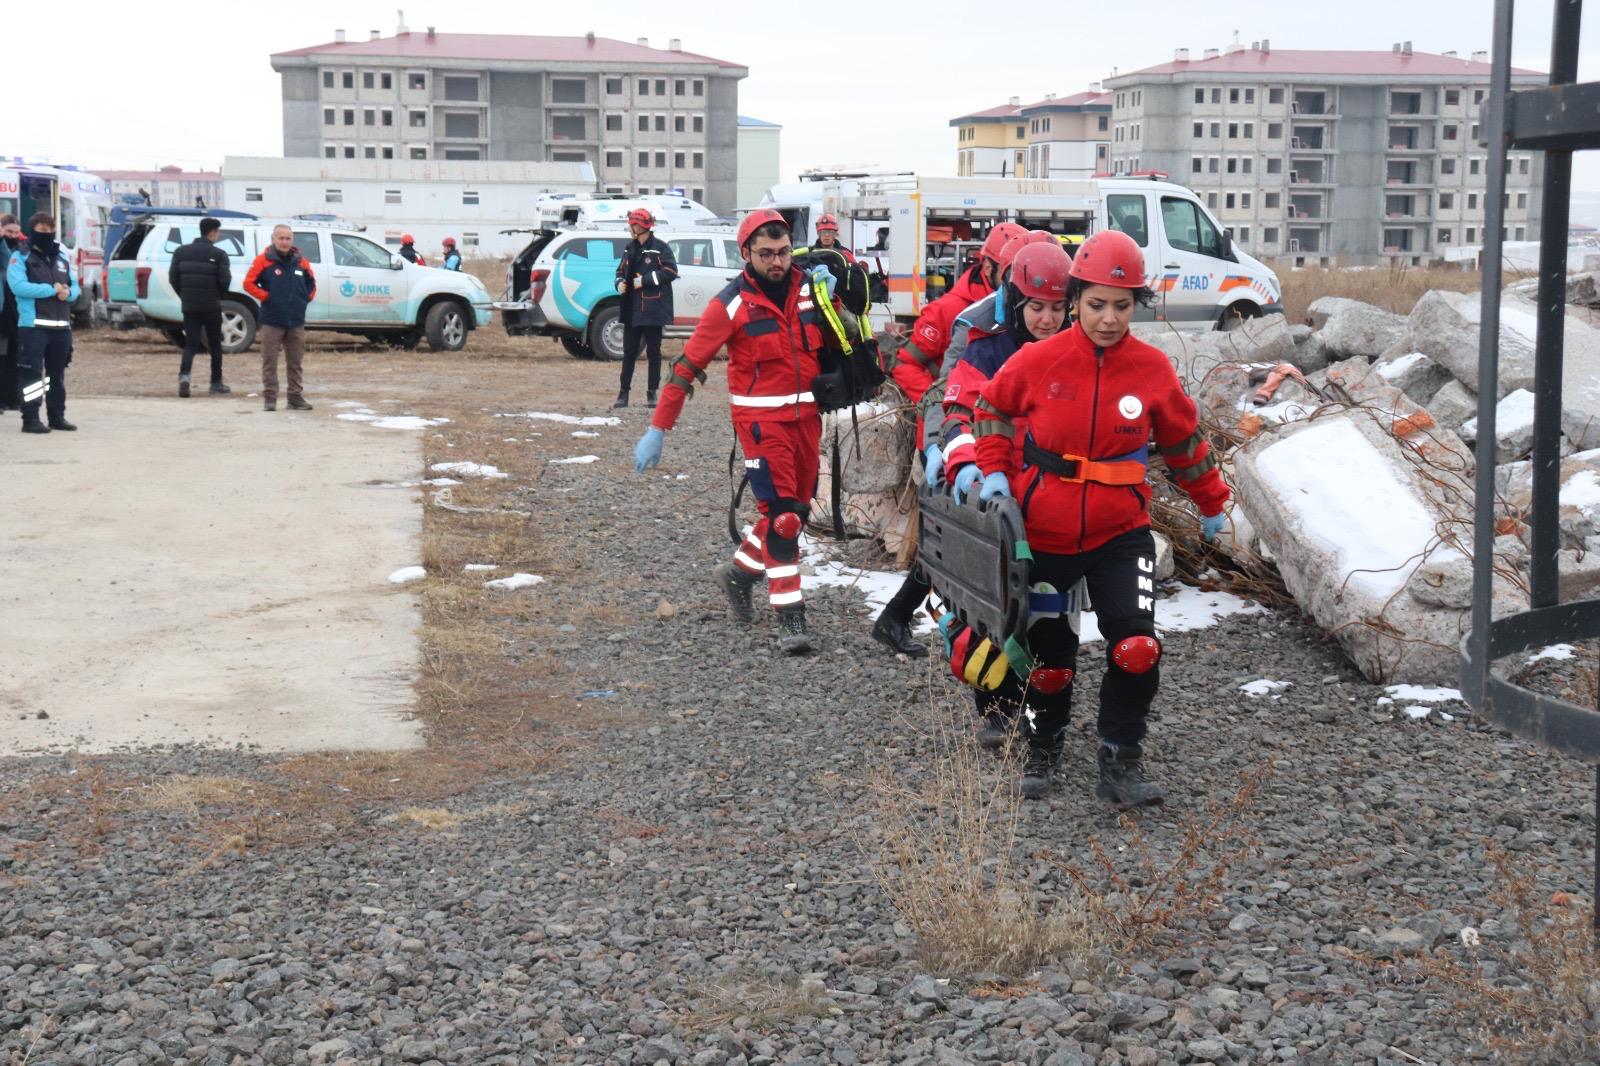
(449, 242)
(998, 235)
(828, 222)
(406, 238)
(761, 216)
(640, 216)
(1110, 257)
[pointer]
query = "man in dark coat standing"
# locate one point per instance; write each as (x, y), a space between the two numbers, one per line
(200, 275)
(644, 278)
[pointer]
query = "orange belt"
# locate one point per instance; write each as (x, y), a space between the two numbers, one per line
(1078, 468)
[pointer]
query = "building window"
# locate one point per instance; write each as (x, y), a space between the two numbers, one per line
(1199, 130)
(464, 88)
(1477, 98)
(1274, 166)
(1212, 164)
(1274, 131)
(1475, 136)
(327, 79)
(1249, 97)
(333, 196)
(661, 86)
(1233, 165)
(1102, 125)
(699, 123)
(1472, 201)
(1452, 98)
(1248, 164)
(469, 240)
(330, 151)
(1444, 236)
(566, 90)
(463, 153)
(418, 119)
(1244, 200)
(678, 159)
(1249, 131)
(386, 81)
(644, 87)
(349, 151)
(614, 122)
(1522, 200)
(459, 125)
(1244, 235)
(677, 124)
(469, 197)
(328, 116)
(1522, 233)
(697, 195)
(391, 196)
(1216, 130)
(661, 161)
(416, 81)
(1233, 96)
(1228, 201)
(370, 152)
(1199, 96)
(613, 86)
(661, 123)
(613, 159)
(1269, 235)
(1474, 166)
(644, 123)
(1198, 165)
(1472, 234)
(1211, 200)
(562, 127)
(699, 87)
(252, 195)
(1272, 200)
(419, 153)
(369, 116)
(349, 116)
(680, 88)
(1522, 165)
(348, 79)
(1274, 96)
(1447, 166)
(1447, 200)
(1233, 130)
(699, 160)
(368, 79)
(388, 151)
(1450, 133)
(644, 159)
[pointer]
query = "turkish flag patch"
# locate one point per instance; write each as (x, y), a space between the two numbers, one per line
(928, 332)
(951, 391)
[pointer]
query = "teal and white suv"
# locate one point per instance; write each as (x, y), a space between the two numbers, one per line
(362, 287)
(564, 284)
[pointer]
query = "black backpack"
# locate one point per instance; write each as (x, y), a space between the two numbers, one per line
(850, 282)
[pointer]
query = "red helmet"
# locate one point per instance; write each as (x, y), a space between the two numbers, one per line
(449, 242)
(1110, 257)
(640, 216)
(828, 222)
(1016, 244)
(998, 235)
(1040, 272)
(761, 216)
(406, 238)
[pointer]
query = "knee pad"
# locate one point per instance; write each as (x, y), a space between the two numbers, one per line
(786, 520)
(1136, 654)
(1050, 679)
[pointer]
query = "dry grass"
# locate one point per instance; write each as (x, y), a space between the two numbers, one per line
(944, 855)
(758, 1004)
(435, 818)
(1532, 993)
(1395, 288)
(188, 794)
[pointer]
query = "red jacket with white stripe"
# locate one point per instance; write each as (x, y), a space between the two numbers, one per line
(920, 359)
(772, 354)
(1098, 404)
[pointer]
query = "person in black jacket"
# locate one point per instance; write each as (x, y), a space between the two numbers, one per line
(10, 391)
(644, 279)
(200, 275)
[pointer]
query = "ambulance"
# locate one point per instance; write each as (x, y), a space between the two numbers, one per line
(81, 204)
(916, 234)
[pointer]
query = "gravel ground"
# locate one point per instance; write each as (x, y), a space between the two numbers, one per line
(689, 885)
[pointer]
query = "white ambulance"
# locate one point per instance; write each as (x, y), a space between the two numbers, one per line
(81, 204)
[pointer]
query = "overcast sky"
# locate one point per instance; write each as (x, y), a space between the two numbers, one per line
(138, 85)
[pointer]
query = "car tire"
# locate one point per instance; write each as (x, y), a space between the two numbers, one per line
(605, 332)
(174, 335)
(576, 346)
(238, 327)
(1234, 315)
(446, 327)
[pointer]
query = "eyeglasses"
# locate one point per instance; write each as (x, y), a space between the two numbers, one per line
(767, 255)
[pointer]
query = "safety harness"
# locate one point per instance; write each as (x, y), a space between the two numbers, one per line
(1128, 469)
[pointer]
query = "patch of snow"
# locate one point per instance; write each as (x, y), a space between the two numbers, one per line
(1447, 716)
(1516, 321)
(469, 470)
(475, 567)
(1277, 413)
(1355, 508)
(681, 477)
(1384, 700)
(1554, 651)
(515, 581)
(441, 481)
(350, 403)
(571, 420)
(1418, 711)
(1395, 367)
(1511, 415)
(1264, 687)
(1581, 490)
(575, 459)
(359, 416)
(1423, 694)
(407, 573)
(584, 433)
(404, 422)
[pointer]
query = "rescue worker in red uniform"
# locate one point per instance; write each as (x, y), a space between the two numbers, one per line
(828, 237)
(772, 329)
(1093, 398)
(1033, 307)
(915, 366)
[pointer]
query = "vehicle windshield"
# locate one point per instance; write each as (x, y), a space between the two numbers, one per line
(351, 251)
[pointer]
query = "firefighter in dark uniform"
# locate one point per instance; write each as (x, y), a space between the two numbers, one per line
(644, 279)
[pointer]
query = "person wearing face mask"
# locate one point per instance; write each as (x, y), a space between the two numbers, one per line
(1084, 405)
(769, 322)
(10, 241)
(44, 285)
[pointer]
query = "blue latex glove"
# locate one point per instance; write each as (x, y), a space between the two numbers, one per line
(965, 478)
(821, 277)
(1211, 526)
(994, 485)
(932, 465)
(647, 453)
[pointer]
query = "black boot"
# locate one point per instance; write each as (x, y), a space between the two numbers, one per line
(736, 585)
(650, 399)
(33, 425)
(1122, 779)
(792, 621)
(896, 636)
(219, 388)
(1042, 759)
(62, 424)
(994, 731)
(622, 400)
(183, 385)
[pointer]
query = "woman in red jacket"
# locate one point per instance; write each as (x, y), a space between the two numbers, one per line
(1093, 398)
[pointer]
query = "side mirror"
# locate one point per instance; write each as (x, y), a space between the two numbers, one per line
(396, 263)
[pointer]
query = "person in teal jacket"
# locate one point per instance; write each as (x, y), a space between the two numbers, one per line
(44, 285)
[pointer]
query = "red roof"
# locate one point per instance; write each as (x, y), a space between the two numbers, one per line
(1010, 111)
(1255, 61)
(508, 48)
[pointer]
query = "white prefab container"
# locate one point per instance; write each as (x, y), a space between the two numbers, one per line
(429, 199)
(917, 233)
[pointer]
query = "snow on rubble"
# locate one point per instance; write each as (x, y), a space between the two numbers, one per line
(569, 420)
(469, 469)
(580, 460)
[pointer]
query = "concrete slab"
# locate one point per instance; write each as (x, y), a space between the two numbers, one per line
(204, 572)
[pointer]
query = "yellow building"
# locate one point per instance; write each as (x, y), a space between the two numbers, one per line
(992, 143)
(1066, 137)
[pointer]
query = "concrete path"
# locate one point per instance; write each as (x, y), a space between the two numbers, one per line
(201, 571)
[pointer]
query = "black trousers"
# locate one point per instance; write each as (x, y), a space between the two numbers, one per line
(44, 352)
(913, 590)
(209, 322)
(632, 337)
(10, 391)
(1121, 578)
